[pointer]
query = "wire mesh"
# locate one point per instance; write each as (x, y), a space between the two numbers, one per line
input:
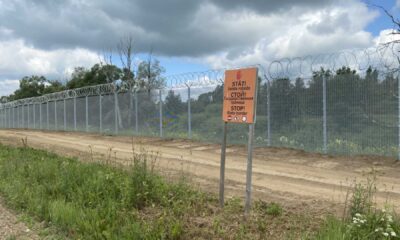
(341, 103)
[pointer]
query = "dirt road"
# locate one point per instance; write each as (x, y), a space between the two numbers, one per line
(279, 174)
(12, 228)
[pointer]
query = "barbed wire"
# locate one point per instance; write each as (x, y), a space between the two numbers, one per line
(384, 59)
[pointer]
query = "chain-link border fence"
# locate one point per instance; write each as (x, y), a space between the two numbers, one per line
(341, 103)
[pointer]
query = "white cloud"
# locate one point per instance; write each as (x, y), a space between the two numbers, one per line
(20, 59)
(386, 36)
(299, 33)
(8, 86)
(61, 34)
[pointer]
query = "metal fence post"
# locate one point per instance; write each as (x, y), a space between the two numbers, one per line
(9, 116)
(18, 124)
(161, 113)
(40, 116)
(4, 118)
(398, 105)
(268, 114)
(74, 113)
(55, 115)
(136, 114)
(65, 116)
(324, 113)
(130, 112)
(23, 116)
(115, 112)
(47, 115)
(101, 114)
(87, 114)
(34, 116)
(28, 120)
(13, 117)
(189, 115)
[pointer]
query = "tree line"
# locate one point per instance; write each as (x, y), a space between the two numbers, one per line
(148, 76)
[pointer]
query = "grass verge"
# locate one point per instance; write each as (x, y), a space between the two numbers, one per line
(362, 219)
(95, 201)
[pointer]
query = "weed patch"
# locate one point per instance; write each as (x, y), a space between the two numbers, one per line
(98, 201)
(363, 220)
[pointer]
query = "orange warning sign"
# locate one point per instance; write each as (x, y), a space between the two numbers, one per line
(240, 95)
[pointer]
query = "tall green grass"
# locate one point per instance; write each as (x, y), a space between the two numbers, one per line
(93, 201)
(362, 219)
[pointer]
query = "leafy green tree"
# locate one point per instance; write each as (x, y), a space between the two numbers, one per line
(54, 86)
(34, 86)
(98, 74)
(149, 75)
(173, 103)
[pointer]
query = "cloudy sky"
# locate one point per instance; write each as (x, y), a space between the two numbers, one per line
(51, 37)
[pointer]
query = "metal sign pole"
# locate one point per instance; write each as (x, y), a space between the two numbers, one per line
(249, 168)
(222, 167)
(239, 106)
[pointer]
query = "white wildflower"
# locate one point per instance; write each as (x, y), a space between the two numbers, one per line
(393, 234)
(385, 234)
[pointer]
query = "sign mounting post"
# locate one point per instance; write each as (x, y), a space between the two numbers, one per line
(240, 100)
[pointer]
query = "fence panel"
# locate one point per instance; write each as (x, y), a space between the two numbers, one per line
(175, 113)
(148, 113)
(308, 103)
(362, 114)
